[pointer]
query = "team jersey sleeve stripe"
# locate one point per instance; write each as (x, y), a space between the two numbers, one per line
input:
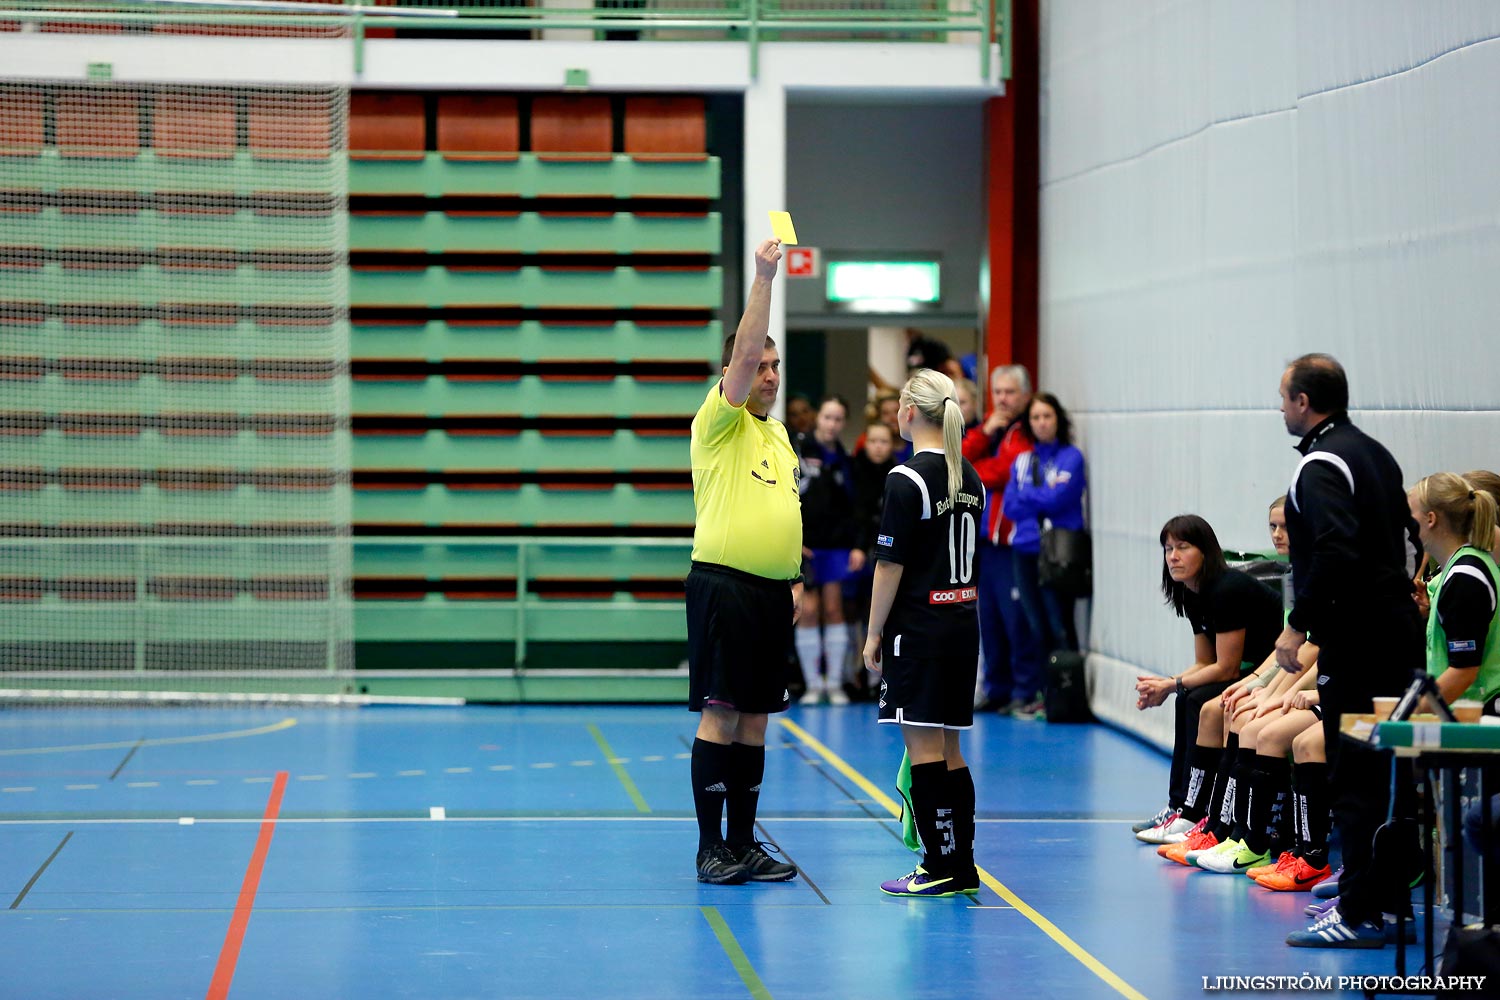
(921, 486)
(1482, 577)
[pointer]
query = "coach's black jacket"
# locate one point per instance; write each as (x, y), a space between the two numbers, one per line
(1353, 541)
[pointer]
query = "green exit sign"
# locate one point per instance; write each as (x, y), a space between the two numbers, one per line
(101, 71)
(884, 282)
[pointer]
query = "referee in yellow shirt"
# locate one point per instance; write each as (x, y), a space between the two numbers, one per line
(743, 590)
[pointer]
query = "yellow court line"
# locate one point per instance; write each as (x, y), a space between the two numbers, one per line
(620, 772)
(737, 956)
(164, 741)
(1072, 947)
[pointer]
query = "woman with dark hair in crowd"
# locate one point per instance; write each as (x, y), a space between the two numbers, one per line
(829, 551)
(870, 469)
(882, 409)
(1235, 623)
(1045, 490)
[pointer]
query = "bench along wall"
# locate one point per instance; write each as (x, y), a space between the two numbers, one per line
(1225, 187)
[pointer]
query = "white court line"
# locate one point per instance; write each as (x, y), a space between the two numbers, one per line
(881, 820)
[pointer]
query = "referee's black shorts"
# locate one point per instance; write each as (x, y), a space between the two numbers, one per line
(739, 639)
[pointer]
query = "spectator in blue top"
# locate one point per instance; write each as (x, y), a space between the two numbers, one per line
(1046, 486)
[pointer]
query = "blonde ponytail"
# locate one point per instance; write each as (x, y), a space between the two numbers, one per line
(1466, 511)
(936, 400)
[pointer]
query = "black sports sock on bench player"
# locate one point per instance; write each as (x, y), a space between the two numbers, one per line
(1203, 763)
(1217, 824)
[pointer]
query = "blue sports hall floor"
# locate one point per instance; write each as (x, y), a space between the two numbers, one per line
(541, 851)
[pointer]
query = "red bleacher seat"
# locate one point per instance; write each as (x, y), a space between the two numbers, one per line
(22, 128)
(485, 127)
(571, 127)
(666, 128)
(195, 124)
(103, 123)
(386, 127)
(290, 126)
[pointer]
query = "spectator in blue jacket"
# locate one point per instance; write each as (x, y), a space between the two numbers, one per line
(1046, 487)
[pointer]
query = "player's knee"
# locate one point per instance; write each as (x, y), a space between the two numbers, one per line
(1308, 745)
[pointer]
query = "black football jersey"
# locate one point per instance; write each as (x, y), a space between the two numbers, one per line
(933, 538)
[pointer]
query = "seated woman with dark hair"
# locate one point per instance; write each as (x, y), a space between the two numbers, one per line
(1235, 623)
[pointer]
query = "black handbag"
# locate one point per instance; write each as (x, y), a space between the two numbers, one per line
(1065, 562)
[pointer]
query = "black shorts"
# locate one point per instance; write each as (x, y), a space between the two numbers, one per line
(739, 640)
(936, 692)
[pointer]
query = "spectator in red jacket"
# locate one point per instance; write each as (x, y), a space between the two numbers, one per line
(1008, 645)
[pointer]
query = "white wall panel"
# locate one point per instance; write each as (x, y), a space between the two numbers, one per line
(1226, 186)
(1348, 41)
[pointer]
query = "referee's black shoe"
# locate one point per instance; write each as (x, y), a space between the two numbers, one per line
(718, 866)
(763, 867)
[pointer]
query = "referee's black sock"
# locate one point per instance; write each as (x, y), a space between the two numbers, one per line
(748, 768)
(961, 794)
(1203, 762)
(713, 767)
(933, 813)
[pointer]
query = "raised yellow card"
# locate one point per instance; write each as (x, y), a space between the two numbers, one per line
(781, 226)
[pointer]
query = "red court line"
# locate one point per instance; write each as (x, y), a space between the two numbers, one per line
(229, 955)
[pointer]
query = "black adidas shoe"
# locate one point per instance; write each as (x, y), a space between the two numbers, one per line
(717, 865)
(763, 867)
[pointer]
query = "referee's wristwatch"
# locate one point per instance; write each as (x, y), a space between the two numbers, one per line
(1181, 687)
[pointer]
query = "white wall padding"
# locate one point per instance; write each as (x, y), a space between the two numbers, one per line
(1226, 186)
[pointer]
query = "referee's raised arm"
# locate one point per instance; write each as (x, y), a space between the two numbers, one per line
(750, 336)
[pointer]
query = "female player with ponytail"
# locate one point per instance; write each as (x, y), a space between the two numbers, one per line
(924, 632)
(1457, 525)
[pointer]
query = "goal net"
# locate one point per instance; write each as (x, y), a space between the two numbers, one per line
(174, 399)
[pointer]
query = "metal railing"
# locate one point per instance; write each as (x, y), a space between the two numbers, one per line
(129, 611)
(752, 22)
(525, 604)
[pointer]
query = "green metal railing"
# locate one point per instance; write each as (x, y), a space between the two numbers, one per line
(749, 21)
(530, 618)
(133, 613)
